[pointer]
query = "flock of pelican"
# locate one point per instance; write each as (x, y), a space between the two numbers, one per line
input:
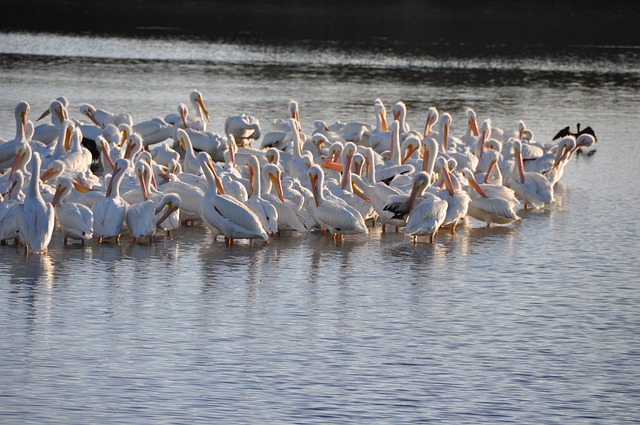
(105, 176)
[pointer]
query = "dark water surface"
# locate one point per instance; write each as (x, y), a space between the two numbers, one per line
(531, 323)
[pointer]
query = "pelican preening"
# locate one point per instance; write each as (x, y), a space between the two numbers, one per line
(164, 172)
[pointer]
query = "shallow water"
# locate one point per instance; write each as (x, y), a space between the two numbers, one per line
(530, 323)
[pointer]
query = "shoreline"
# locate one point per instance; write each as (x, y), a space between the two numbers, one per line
(410, 23)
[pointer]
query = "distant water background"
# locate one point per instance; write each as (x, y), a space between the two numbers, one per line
(536, 322)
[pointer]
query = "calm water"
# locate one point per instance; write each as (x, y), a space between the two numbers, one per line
(531, 323)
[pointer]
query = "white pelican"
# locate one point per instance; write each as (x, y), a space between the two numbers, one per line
(172, 201)
(202, 114)
(36, 218)
(102, 117)
(295, 165)
(214, 144)
(425, 217)
(469, 138)
(380, 137)
(355, 132)
(533, 188)
(58, 114)
(62, 143)
(262, 208)
(457, 199)
(163, 154)
(399, 111)
(8, 148)
(155, 130)
(78, 158)
(224, 213)
(244, 128)
(109, 213)
(490, 209)
(379, 195)
(190, 163)
(76, 220)
(9, 209)
(338, 218)
(393, 166)
(291, 216)
(554, 159)
(275, 139)
(344, 191)
(168, 210)
(48, 132)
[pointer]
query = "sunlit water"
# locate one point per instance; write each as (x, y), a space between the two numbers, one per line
(531, 323)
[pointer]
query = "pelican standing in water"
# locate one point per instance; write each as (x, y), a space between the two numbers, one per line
(533, 188)
(36, 218)
(337, 217)
(76, 220)
(109, 213)
(427, 216)
(490, 209)
(264, 209)
(223, 212)
(9, 209)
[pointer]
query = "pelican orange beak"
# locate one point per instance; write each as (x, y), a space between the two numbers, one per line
(359, 166)
(13, 184)
(396, 116)
(277, 185)
(445, 137)
(116, 171)
(142, 177)
(200, 103)
(476, 186)
(347, 171)
(447, 180)
(232, 153)
(251, 174)
(183, 117)
(170, 209)
(492, 165)
(124, 135)
(367, 163)
(81, 188)
(473, 125)
(410, 151)
(359, 193)
(56, 195)
(427, 126)
(17, 161)
(44, 114)
(483, 138)
(425, 158)
(93, 119)
(219, 186)
(332, 165)
(23, 118)
(107, 155)
(385, 126)
(518, 156)
(314, 187)
(130, 147)
(67, 138)
(60, 114)
(47, 174)
(416, 188)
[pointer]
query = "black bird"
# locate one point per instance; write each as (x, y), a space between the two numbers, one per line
(567, 132)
